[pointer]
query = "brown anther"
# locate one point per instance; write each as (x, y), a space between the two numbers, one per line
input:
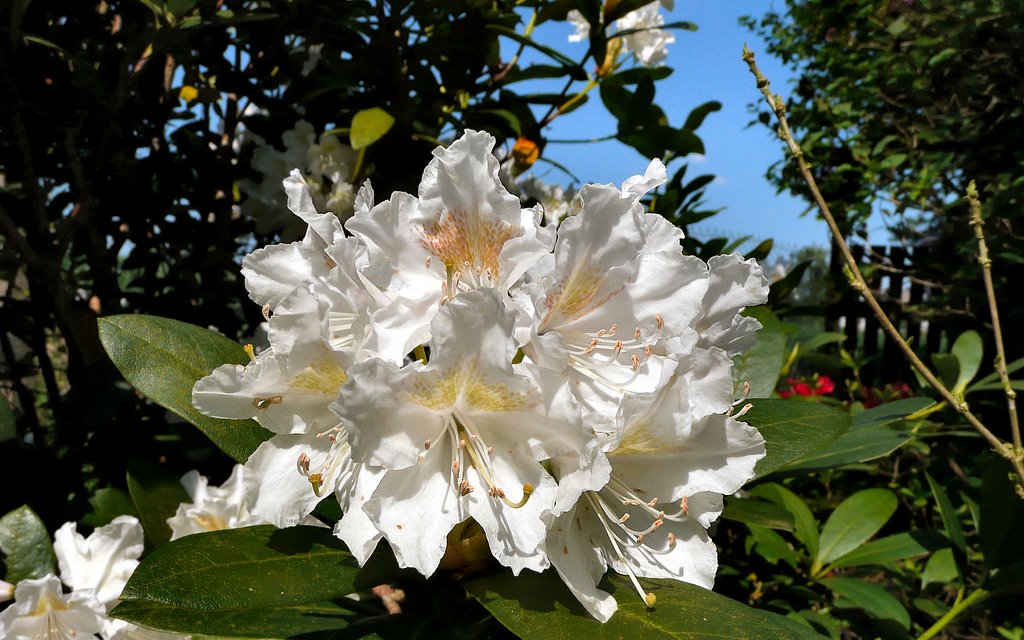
(496, 492)
(653, 502)
(623, 519)
(601, 333)
(266, 312)
(264, 403)
(648, 351)
(659, 320)
(490, 451)
(303, 463)
(684, 506)
(637, 334)
(464, 488)
(636, 362)
(671, 540)
(640, 539)
(618, 347)
(455, 466)
(592, 347)
(426, 444)
(613, 329)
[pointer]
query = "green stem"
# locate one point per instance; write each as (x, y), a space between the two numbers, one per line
(954, 611)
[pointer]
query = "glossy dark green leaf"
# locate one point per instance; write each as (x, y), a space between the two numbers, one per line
(772, 546)
(793, 429)
(873, 599)
(853, 523)
(164, 358)
(891, 548)
(252, 567)
(856, 445)
(539, 606)
(805, 526)
(270, 622)
(969, 352)
(156, 493)
(26, 544)
(889, 412)
(765, 514)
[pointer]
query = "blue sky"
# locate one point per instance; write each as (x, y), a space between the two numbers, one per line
(707, 67)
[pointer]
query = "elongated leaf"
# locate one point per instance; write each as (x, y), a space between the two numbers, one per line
(889, 412)
(369, 126)
(539, 606)
(854, 446)
(854, 521)
(275, 622)
(253, 567)
(554, 54)
(805, 527)
(892, 548)
(164, 358)
(156, 493)
(793, 429)
(951, 522)
(26, 543)
(758, 512)
(872, 598)
(773, 547)
(696, 117)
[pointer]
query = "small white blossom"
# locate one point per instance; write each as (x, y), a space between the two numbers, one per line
(41, 611)
(213, 508)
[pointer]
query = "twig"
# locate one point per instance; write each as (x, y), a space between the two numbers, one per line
(860, 285)
(986, 272)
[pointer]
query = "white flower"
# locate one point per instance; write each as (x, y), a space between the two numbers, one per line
(649, 44)
(460, 437)
(640, 29)
(555, 201)
(314, 53)
(213, 508)
(6, 591)
(671, 466)
(104, 561)
(41, 611)
(465, 231)
(619, 285)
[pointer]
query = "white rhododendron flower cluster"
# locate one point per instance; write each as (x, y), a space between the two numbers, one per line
(444, 356)
(326, 164)
(95, 569)
(641, 31)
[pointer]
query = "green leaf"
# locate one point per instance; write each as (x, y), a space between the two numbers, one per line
(761, 364)
(793, 429)
(1002, 516)
(108, 503)
(164, 358)
(539, 606)
(940, 568)
(805, 527)
(947, 367)
(697, 116)
(272, 622)
(891, 548)
(156, 493)
(26, 543)
(554, 54)
(941, 57)
(636, 74)
(248, 568)
(765, 514)
(969, 351)
(951, 522)
(873, 599)
(369, 126)
(853, 522)
(856, 445)
(821, 339)
(771, 546)
(889, 412)
(8, 425)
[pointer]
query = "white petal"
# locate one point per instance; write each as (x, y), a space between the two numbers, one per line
(41, 611)
(653, 177)
(283, 496)
(573, 553)
(102, 562)
(415, 508)
(355, 528)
